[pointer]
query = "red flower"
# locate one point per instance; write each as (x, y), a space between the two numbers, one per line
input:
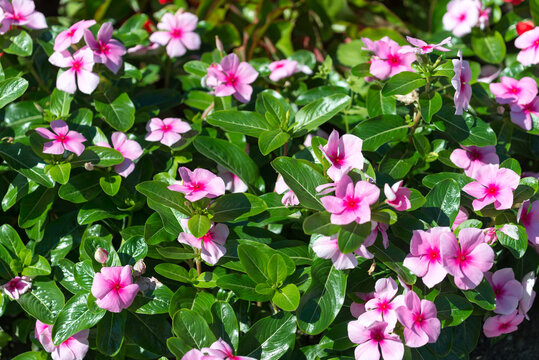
(163, 2)
(514, 2)
(524, 26)
(149, 26)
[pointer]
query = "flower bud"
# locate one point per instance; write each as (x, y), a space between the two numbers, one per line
(490, 235)
(524, 26)
(139, 268)
(89, 166)
(101, 255)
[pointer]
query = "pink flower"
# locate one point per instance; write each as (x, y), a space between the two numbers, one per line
(221, 350)
(461, 17)
(508, 291)
(289, 197)
(62, 139)
(284, 68)
(473, 158)
(130, 149)
(521, 115)
(71, 35)
(493, 185)
(502, 324)
(351, 203)
(461, 80)
(398, 196)
(166, 131)
(388, 59)
(198, 184)
(107, 51)
(17, 286)
(529, 45)
(528, 295)
(529, 217)
(178, 31)
(373, 339)
(425, 258)
(343, 153)
(114, 289)
(468, 258)
(233, 78)
(421, 47)
(490, 235)
(211, 245)
(194, 354)
(78, 66)
(419, 319)
(74, 348)
(484, 14)
(462, 216)
(232, 181)
(356, 309)
(382, 307)
(511, 91)
(21, 13)
(327, 248)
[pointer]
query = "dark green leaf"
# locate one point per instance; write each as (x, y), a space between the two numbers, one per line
(403, 83)
(25, 162)
(482, 295)
(44, 302)
(225, 325)
(159, 192)
(119, 113)
(489, 47)
(236, 207)
(380, 130)
(429, 105)
(352, 236)
(110, 333)
(244, 122)
(271, 140)
(452, 309)
(192, 329)
(199, 225)
(442, 203)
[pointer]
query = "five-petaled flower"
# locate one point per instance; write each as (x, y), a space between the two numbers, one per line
(461, 17)
(461, 83)
(528, 42)
(473, 158)
(521, 115)
(327, 247)
(232, 77)
(512, 91)
(388, 59)
(502, 324)
(398, 196)
(74, 347)
(62, 139)
(17, 286)
(21, 13)
(107, 51)
(289, 197)
(221, 350)
(343, 153)
(419, 319)
(211, 245)
(198, 184)
(114, 289)
(373, 339)
(130, 150)
(177, 32)
(166, 131)
(77, 67)
(508, 291)
(281, 69)
(422, 47)
(383, 305)
(72, 35)
(529, 217)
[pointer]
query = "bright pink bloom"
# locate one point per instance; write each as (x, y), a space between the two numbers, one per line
(62, 139)
(130, 149)
(421, 47)
(107, 51)
(198, 184)
(461, 17)
(114, 289)
(166, 131)
(211, 245)
(419, 319)
(351, 203)
(17, 286)
(221, 350)
(72, 35)
(473, 158)
(461, 83)
(508, 291)
(74, 348)
(234, 78)
(232, 181)
(425, 258)
(493, 185)
(289, 197)
(284, 68)
(343, 153)
(462, 216)
(502, 324)
(521, 115)
(382, 307)
(373, 339)
(398, 196)
(529, 45)
(178, 31)
(79, 66)
(511, 91)
(327, 248)
(21, 13)
(468, 258)
(528, 295)
(389, 59)
(529, 217)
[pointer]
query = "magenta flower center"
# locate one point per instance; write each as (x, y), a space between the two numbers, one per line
(418, 318)
(104, 48)
(462, 17)
(62, 138)
(426, 47)
(176, 33)
(394, 60)
(208, 238)
(525, 217)
(278, 66)
(117, 286)
(166, 128)
(384, 306)
(71, 32)
(498, 291)
(474, 155)
(16, 16)
(351, 203)
(462, 257)
(337, 159)
(503, 326)
(514, 90)
(196, 187)
(76, 65)
(377, 336)
(231, 79)
(492, 189)
(434, 254)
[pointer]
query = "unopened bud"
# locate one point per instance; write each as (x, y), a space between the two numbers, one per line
(500, 110)
(490, 235)
(219, 45)
(89, 166)
(139, 268)
(101, 255)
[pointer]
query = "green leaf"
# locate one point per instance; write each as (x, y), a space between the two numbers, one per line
(148, 332)
(39, 266)
(287, 298)
(527, 187)
(276, 270)
(380, 130)
(199, 225)
(24, 161)
(60, 103)
(429, 105)
(153, 301)
(20, 44)
(398, 162)
(352, 236)
(271, 140)
(433, 179)
(99, 209)
(196, 67)
(110, 184)
(11, 240)
(377, 104)
(118, 113)
(192, 329)
(60, 172)
(324, 298)
(318, 112)
(452, 309)
(225, 324)
(442, 203)
(273, 106)
(242, 286)
(176, 253)
(158, 191)
(44, 302)
(482, 295)
(98, 156)
(254, 261)
(31, 355)
(392, 257)
(133, 250)
(467, 130)
(244, 122)
(319, 223)
(17, 189)
(403, 83)
(81, 188)
(74, 317)
(236, 207)
(173, 272)
(489, 46)
(35, 206)
(84, 274)
(110, 333)
(514, 238)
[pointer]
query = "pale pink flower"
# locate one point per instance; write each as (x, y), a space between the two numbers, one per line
(528, 295)
(233, 183)
(376, 228)
(114, 289)
(383, 306)
(177, 32)
(508, 291)
(473, 158)
(62, 139)
(77, 67)
(493, 185)
(233, 78)
(281, 69)
(72, 35)
(289, 197)
(17, 286)
(425, 258)
(502, 324)
(529, 45)
(198, 184)
(74, 348)
(130, 150)
(511, 91)
(419, 319)
(21, 13)
(461, 83)
(521, 115)
(166, 131)
(373, 339)
(468, 258)
(462, 216)
(422, 47)
(344, 154)
(211, 80)
(398, 196)
(327, 247)
(461, 17)
(143, 49)
(388, 58)
(529, 217)
(107, 51)
(351, 203)
(211, 244)
(221, 350)
(356, 309)
(194, 354)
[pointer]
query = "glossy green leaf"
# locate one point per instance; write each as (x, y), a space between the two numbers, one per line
(225, 325)
(119, 113)
(199, 225)
(403, 83)
(271, 140)
(489, 46)
(159, 192)
(482, 295)
(380, 130)
(244, 122)
(44, 302)
(352, 236)
(318, 112)
(25, 162)
(429, 105)
(452, 309)
(442, 203)
(11, 89)
(110, 333)
(287, 297)
(236, 207)
(192, 328)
